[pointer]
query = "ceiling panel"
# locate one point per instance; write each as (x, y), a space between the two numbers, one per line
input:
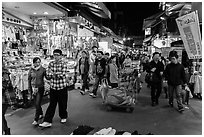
(30, 7)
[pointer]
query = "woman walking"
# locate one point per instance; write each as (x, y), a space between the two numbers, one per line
(36, 77)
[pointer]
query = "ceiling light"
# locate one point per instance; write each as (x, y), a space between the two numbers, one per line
(34, 13)
(162, 18)
(45, 13)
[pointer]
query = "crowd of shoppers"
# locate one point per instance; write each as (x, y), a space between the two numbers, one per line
(98, 65)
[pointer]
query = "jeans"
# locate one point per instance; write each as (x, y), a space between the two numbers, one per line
(59, 97)
(155, 91)
(38, 99)
(4, 122)
(177, 90)
(84, 78)
(97, 82)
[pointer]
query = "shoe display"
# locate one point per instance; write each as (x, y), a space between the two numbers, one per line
(64, 120)
(35, 123)
(45, 124)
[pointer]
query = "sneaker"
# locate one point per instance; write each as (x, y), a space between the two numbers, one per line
(82, 92)
(92, 95)
(64, 120)
(41, 116)
(45, 124)
(35, 123)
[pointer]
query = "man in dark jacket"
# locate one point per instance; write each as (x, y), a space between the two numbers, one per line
(175, 75)
(156, 68)
(84, 71)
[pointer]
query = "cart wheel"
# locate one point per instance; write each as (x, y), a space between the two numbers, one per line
(129, 110)
(108, 108)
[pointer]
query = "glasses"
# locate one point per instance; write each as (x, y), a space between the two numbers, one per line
(57, 55)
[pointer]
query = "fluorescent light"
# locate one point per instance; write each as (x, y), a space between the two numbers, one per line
(162, 18)
(45, 13)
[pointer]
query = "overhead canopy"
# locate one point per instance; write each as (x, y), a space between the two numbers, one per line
(152, 20)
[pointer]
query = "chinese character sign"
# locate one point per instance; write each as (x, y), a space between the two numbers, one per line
(190, 33)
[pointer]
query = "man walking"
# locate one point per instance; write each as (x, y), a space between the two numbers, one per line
(175, 75)
(156, 68)
(57, 71)
(99, 71)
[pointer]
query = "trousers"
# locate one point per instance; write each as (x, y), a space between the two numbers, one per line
(59, 97)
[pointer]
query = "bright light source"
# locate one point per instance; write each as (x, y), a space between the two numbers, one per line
(162, 18)
(124, 39)
(45, 13)
(128, 38)
(168, 5)
(35, 13)
(133, 44)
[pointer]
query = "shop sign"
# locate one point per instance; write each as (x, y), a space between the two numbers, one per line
(147, 31)
(190, 33)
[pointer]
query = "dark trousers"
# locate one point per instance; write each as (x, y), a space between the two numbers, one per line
(97, 82)
(60, 97)
(84, 78)
(155, 91)
(175, 90)
(38, 99)
(4, 122)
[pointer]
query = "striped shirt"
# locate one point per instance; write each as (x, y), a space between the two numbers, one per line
(60, 68)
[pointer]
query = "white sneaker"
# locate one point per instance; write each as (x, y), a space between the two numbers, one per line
(45, 124)
(35, 123)
(64, 120)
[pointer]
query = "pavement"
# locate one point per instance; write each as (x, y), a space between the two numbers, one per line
(84, 110)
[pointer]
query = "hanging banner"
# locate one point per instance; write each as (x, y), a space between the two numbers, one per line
(190, 33)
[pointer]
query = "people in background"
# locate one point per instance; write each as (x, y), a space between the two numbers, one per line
(113, 69)
(36, 87)
(156, 68)
(8, 97)
(84, 71)
(57, 73)
(175, 75)
(98, 72)
(127, 62)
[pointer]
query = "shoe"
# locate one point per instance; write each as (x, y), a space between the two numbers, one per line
(64, 120)
(153, 104)
(171, 105)
(45, 124)
(82, 92)
(92, 95)
(181, 109)
(7, 131)
(41, 116)
(35, 123)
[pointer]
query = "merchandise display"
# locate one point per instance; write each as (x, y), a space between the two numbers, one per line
(88, 130)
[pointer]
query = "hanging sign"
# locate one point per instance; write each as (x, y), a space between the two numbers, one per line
(190, 33)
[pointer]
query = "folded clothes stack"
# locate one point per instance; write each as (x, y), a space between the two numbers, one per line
(87, 130)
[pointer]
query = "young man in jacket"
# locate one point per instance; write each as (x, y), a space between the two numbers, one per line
(84, 71)
(156, 68)
(175, 75)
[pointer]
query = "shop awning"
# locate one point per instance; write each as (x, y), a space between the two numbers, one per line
(152, 20)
